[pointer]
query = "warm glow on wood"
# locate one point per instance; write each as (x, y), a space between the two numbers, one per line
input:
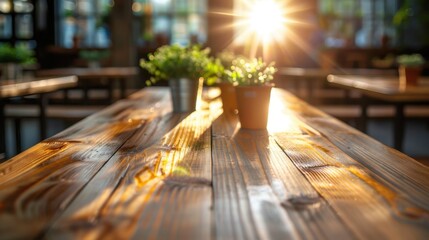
(278, 121)
(199, 175)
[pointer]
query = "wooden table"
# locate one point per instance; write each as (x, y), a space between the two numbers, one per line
(388, 90)
(323, 73)
(110, 74)
(136, 170)
(306, 79)
(10, 89)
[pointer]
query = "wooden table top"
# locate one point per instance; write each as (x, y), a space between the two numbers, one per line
(136, 170)
(385, 88)
(102, 72)
(312, 73)
(15, 89)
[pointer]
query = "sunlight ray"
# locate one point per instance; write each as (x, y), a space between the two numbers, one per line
(264, 24)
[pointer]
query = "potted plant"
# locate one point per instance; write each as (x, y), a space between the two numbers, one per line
(185, 69)
(12, 59)
(410, 67)
(253, 89)
(94, 57)
(225, 83)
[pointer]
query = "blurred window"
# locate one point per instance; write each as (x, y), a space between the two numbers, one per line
(358, 23)
(83, 23)
(170, 21)
(16, 22)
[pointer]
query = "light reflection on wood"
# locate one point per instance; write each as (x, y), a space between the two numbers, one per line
(136, 170)
(180, 160)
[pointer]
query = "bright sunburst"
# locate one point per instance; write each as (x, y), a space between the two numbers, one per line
(266, 19)
(264, 23)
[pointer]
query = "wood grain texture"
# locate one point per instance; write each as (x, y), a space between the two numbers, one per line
(353, 190)
(393, 168)
(156, 186)
(259, 193)
(356, 197)
(137, 171)
(41, 182)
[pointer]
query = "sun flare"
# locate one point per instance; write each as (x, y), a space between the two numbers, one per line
(266, 19)
(266, 26)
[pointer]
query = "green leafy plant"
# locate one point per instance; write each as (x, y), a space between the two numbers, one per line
(410, 60)
(174, 62)
(214, 71)
(253, 71)
(94, 55)
(20, 54)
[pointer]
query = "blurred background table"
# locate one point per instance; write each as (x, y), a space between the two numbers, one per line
(96, 77)
(309, 83)
(389, 91)
(40, 87)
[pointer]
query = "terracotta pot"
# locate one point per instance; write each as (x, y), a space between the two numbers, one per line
(409, 76)
(185, 94)
(229, 100)
(252, 104)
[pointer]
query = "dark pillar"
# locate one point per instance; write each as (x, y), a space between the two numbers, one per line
(123, 48)
(219, 36)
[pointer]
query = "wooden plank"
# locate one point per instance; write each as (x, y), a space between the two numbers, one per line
(123, 114)
(134, 170)
(319, 73)
(166, 185)
(241, 191)
(258, 191)
(36, 186)
(37, 86)
(359, 198)
(40, 194)
(406, 176)
(88, 73)
(385, 88)
(386, 164)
